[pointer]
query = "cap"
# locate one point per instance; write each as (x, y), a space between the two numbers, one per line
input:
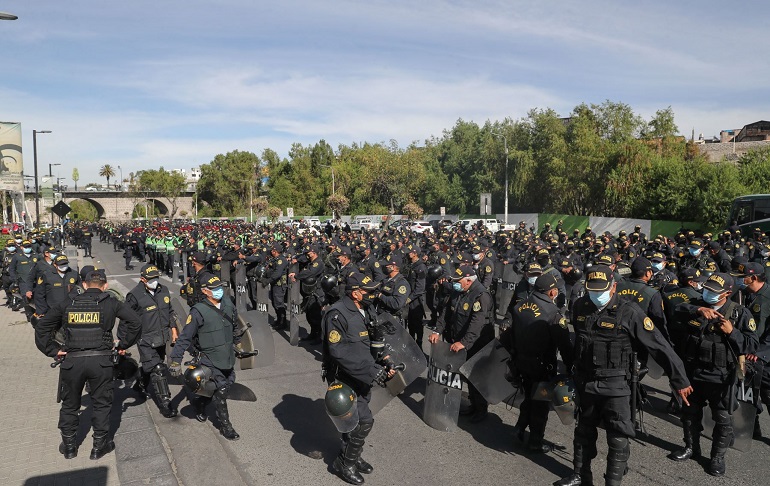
(545, 282)
(99, 275)
(358, 280)
(640, 266)
(277, 247)
(463, 271)
(718, 283)
(605, 259)
(691, 274)
(199, 257)
(657, 257)
(61, 260)
(150, 271)
(696, 243)
(86, 270)
(714, 245)
(391, 260)
(415, 250)
(533, 269)
(26, 243)
(345, 251)
(739, 269)
(599, 278)
(754, 268)
(543, 252)
(210, 281)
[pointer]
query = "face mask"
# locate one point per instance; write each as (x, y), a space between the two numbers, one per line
(53, 256)
(657, 266)
(765, 253)
(11, 249)
(740, 283)
(695, 251)
(217, 294)
(33, 240)
(457, 287)
(62, 268)
(599, 299)
(152, 284)
(27, 250)
(367, 300)
(477, 256)
(710, 297)
(18, 242)
(531, 280)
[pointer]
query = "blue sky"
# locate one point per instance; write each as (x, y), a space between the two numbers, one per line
(172, 83)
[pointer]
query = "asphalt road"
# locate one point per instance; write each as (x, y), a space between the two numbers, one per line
(286, 437)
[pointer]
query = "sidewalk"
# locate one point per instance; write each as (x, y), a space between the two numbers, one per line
(30, 414)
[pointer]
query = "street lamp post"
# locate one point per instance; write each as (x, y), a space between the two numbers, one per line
(37, 186)
(121, 178)
(50, 166)
(505, 142)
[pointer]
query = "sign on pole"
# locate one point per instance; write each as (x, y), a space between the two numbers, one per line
(290, 212)
(443, 211)
(485, 205)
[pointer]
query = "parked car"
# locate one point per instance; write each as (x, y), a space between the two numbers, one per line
(364, 224)
(421, 227)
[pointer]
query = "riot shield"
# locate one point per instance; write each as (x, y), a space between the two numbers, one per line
(295, 317)
(181, 317)
(175, 266)
(655, 371)
(566, 412)
(743, 418)
(503, 297)
(510, 275)
(259, 332)
(240, 392)
(263, 298)
(486, 371)
(401, 348)
(441, 406)
(224, 272)
(183, 264)
(543, 391)
(240, 288)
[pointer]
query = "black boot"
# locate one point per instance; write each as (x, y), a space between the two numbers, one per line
(280, 320)
(102, 446)
(141, 383)
(757, 429)
(220, 406)
(691, 442)
(722, 438)
(199, 405)
(69, 446)
(618, 453)
(345, 465)
(582, 467)
(162, 392)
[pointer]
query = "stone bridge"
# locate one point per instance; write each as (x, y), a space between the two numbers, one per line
(118, 205)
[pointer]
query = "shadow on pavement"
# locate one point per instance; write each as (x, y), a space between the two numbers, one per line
(93, 475)
(314, 434)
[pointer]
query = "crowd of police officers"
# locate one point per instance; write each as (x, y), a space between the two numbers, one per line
(696, 305)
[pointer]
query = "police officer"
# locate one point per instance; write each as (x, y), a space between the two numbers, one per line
(86, 356)
(415, 301)
(20, 268)
(276, 277)
(54, 285)
(152, 302)
(647, 298)
(129, 243)
(537, 330)
(465, 323)
(347, 357)
(193, 292)
(212, 331)
(8, 253)
(310, 289)
(394, 290)
(718, 331)
(86, 242)
(608, 328)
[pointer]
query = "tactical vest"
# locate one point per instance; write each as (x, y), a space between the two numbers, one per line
(705, 346)
(604, 350)
(462, 310)
(84, 324)
(155, 315)
(638, 292)
(215, 335)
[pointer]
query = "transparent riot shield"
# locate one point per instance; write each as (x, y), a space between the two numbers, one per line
(262, 338)
(225, 268)
(486, 371)
(402, 349)
(743, 419)
(443, 392)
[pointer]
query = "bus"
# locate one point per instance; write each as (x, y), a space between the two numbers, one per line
(749, 212)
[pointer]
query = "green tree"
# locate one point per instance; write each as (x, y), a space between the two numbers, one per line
(107, 171)
(170, 185)
(225, 182)
(83, 210)
(75, 177)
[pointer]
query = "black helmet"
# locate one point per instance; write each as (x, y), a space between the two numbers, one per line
(435, 271)
(341, 405)
(564, 398)
(328, 282)
(197, 378)
(311, 280)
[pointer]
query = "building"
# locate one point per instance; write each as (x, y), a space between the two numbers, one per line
(734, 143)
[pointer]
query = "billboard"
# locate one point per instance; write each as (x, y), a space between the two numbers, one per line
(11, 161)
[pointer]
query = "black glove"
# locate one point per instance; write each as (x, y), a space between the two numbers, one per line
(381, 378)
(265, 282)
(175, 369)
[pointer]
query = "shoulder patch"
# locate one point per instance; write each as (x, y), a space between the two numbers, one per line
(648, 325)
(315, 264)
(280, 262)
(402, 290)
(72, 280)
(376, 264)
(752, 325)
(756, 308)
(476, 306)
(465, 306)
(166, 299)
(563, 323)
(39, 280)
(189, 319)
(489, 269)
(443, 261)
(334, 336)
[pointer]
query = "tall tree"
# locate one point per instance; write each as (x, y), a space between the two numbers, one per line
(75, 177)
(108, 172)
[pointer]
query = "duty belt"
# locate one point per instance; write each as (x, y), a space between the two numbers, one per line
(86, 354)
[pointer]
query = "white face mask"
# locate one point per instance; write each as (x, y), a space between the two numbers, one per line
(152, 284)
(62, 268)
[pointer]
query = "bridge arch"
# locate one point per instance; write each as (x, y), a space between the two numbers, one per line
(100, 211)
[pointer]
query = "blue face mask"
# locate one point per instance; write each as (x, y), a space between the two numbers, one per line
(27, 250)
(532, 280)
(457, 287)
(695, 251)
(657, 266)
(218, 293)
(710, 297)
(11, 248)
(600, 299)
(53, 256)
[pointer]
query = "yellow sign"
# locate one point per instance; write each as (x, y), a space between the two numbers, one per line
(83, 318)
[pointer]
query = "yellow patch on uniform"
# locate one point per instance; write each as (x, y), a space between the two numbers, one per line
(648, 325)
(72, 280)
(376, 264)
(607, 325)
(476, 306)
(280, 262)
(189, 319)
(334, 336)
(363, 333)
(40, 280)
(563, 323)
(752, 325)
(443, 261)
(756, 307)
(489, 269)
(315, 264)
(166, 299)
(465, 306)
(402, 290)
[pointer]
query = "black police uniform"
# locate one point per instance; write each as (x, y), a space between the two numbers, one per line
(604, 343)
(275, 275)
(213, 333)
(313, 295)
(21, 266)
(466, 320)
(711, 358)
(53, 287)
(158, 317)
(393, 295)
(347, 357)
(415, 301)
(86, 242)
(537, 330)
(758, 304)
(87, 322)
